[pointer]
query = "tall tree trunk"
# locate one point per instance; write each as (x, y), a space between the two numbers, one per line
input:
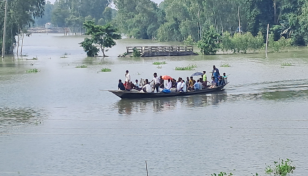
(18, 40)
(103, 50)
(239, 20)
(22, 42)
(275, 11)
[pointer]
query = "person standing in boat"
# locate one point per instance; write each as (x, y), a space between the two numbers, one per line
(156, 83)
(127, 78)
(204, 78)
(215, 73)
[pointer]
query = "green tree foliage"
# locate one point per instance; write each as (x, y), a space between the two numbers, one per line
(46, 18)
(103, 36)
(176, 20)
(73, 13)
(209, 42)
(138, 18)
(21, 14)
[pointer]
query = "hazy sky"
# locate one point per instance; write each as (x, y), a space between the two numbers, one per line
(157, 1)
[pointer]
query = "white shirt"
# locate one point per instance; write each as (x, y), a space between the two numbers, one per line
(178, 86)
(200, 84)
(169, 85)
(183, 85)
(148, 88)
(127, 77)
(156, 80)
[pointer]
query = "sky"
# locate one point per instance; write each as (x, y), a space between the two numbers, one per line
(157, 1)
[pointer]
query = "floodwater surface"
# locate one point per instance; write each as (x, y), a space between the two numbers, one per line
(62, 121)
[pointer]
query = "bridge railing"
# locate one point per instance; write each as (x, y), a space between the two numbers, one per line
(143, 49)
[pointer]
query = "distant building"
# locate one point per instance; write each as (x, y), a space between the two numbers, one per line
(48, 26)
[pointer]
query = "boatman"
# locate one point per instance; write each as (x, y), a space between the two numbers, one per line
(156, 82)
(127, 78)
(204, 78)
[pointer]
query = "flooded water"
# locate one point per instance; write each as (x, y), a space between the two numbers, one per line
(62, 121)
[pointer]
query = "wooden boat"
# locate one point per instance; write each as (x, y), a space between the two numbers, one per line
(138, 95)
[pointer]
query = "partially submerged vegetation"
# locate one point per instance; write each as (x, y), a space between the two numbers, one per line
(32, 70)
(136, 53)
(225, 65)
(280, 168)
(106, 70)
(82, 66)
(190, 67)
(286, 64)
(159, 63)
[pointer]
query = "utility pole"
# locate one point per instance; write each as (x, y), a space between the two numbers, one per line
(266, 41)
(4, 30)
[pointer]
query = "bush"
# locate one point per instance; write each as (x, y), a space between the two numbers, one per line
(136, 53)
(209, 44)
(189, 41)
(89, 48)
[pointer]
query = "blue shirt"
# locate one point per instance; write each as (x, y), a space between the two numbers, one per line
(121, 86)
(197, 86)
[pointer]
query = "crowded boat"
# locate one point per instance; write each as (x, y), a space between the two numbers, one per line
(166, 84)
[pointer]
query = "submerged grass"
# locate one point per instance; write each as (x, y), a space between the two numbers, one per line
(106, 70)
(286, 64)
(32, 70)
(225, 65)
(159, 63)
(190, 67)
(81, 66)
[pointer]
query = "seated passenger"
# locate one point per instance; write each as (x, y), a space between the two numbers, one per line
(136, 85)
(121, 85)
(173, 83)
(191, 83)
(129, 86)
(200, 84)
(221, 81)
(178, 85)
(225, 78)
(183, 86)
(197, 85)
(147, 88)
(168, 85)
(214, 83)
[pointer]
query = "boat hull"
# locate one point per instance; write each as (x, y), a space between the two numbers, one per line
(139, 95)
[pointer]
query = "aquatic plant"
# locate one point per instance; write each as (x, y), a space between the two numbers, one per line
(222, 174)
(190, 67)
(35, 58)
(159, 63)
(280, 168)
(32, 70)
(81, 66)
(63, 56)
(159, 67)
(286, 64)
(106, 70)
(225, 65)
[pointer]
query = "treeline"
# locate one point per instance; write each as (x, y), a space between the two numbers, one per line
(20, 15)
(73, 13)
(176, 20)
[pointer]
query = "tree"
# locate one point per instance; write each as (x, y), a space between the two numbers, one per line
(209, 42)
(103, 36)
(21, 14)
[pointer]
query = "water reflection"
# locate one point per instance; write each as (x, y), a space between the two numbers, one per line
(129, 107)
(17, 117)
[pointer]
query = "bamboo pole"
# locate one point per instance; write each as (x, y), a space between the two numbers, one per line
(4, 30)
(146, 167)
(266, 40)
